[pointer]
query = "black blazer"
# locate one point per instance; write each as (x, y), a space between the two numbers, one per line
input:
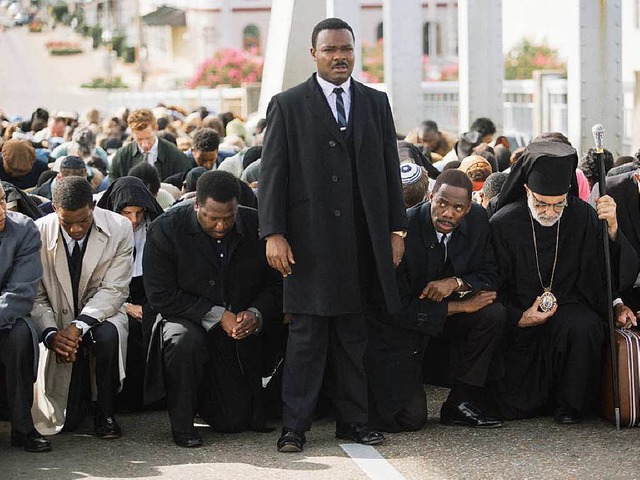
(306, 194)
(170, 160)
(472, 258)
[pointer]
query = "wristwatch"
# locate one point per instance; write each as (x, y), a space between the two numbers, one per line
(460, 283)
(400, 233)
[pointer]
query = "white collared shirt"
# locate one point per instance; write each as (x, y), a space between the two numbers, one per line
(446, 242)
(153, 153)
(70, 242)
(327, 89)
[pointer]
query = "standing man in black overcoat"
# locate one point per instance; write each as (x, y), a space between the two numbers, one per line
(332, 213)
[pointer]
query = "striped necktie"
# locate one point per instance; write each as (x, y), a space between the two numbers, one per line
(342, 117)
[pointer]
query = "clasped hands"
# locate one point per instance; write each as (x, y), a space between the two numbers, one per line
(239, 326)
(65, 343)
(438, 290)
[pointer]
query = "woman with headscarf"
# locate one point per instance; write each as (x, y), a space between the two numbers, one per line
(129, 197)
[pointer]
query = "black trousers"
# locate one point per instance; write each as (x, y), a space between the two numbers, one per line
(130, 397)
(473, 341)
(101, 343)
(211, 374)
(310, 337)
(17, 357)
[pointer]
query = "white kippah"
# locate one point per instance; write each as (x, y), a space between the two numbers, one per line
(410, 173)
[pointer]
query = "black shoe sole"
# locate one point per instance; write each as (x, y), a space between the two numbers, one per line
(457, 423)
(108, 436)
(341, 436)
(40, 449)
(289, 448)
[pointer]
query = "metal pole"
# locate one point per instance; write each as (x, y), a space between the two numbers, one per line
(598, 134)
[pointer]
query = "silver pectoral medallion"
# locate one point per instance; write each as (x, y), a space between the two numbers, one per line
(547, 301)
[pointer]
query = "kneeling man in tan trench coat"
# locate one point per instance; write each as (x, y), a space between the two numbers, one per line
(87, 258)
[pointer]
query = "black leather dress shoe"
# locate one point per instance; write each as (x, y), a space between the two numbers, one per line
(468, 415)
(106, 427)
(291, 441)
(188, 440)
(31, 442)
(359, 433)
(567, 416)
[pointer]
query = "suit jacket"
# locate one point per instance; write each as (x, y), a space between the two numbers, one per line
(183, 280)
(471, 255)
(20, 273)
(103, 289)
(306, 194)
(170, 160)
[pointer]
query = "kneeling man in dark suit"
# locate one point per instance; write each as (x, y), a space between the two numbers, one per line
(447, 282)
(205, 273)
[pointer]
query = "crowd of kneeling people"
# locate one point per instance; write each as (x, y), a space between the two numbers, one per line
(123, 304)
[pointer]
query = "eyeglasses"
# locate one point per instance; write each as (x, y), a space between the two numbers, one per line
(557, 207)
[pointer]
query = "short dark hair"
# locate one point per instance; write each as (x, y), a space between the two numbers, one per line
(623, 160)
(329, 24)
(168, 136)
(219, 186)
(493, 184)
(206, 140)
(162, 122)
(149, 176)
(72, 193)
(552, 137)
(484, 126)
(429, 125)
(589, 164)
(454, 178)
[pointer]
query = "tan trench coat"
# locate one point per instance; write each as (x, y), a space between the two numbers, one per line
(104, 287)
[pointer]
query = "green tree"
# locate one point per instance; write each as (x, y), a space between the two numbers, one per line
(526, 57)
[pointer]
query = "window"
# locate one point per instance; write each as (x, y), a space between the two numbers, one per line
(380, 31)
(432, 39)
(251, 38)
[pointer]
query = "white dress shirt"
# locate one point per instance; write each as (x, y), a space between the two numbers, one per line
(327, 89)
(152, 158)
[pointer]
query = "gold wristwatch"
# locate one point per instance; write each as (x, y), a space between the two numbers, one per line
(460, 283)
(400, 233)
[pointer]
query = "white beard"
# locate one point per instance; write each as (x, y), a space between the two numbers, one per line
(543, 220)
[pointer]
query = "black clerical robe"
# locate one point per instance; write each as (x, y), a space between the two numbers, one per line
(556, 363)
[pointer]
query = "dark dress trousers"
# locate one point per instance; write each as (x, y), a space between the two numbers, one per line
(397, 342)
(203, 371)
(336, 196)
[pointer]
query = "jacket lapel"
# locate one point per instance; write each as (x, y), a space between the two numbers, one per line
(321, 110)
(358, 113)
(201, 240)
(92, 254)
(62, 273)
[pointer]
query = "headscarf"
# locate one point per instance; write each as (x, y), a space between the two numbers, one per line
(477, 169)
(548, 164)
(130, 192)
(409, 152)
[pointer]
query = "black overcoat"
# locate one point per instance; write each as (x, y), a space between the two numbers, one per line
(306, 194)
(182, 279)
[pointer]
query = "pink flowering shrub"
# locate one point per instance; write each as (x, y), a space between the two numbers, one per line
(229, 66)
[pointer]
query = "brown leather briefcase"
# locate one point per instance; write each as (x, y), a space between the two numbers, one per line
(628, 355)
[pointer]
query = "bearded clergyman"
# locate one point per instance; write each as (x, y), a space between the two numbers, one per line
(550, 251)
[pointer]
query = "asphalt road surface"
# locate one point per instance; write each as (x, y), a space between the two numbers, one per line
(529, 449)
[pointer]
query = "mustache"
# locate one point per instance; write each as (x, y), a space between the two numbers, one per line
(340, 64)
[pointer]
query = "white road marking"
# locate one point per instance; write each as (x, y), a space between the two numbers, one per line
(374, 465)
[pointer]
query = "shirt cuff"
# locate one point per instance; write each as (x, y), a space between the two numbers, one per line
(212, 318)
(259, 315)
(617, 302)
(46, 335)
(79, 323)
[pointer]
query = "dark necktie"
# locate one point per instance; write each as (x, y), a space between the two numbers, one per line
(76, 271)
(342, 116)
(443, 244)
(145, 157)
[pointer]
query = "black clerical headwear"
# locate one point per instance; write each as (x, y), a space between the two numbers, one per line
(548, 168)
(129, 192)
